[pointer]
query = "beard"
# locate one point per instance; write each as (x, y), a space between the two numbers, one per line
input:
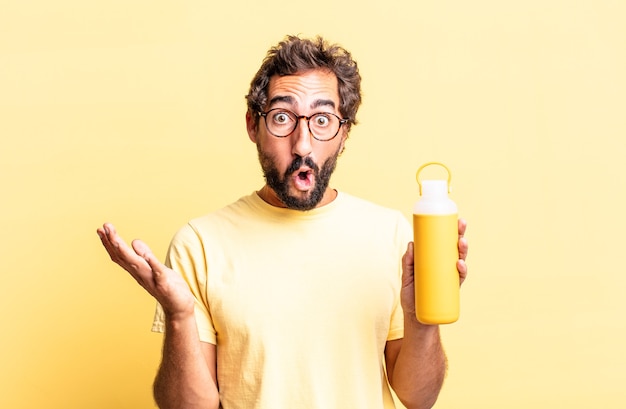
(280, 183)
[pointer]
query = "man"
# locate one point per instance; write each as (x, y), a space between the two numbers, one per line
(295, 296)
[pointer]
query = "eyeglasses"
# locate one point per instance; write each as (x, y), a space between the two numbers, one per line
(324, 126)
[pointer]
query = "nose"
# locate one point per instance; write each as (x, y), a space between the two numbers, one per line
(302, 145)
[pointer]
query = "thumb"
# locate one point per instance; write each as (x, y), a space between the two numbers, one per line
(407, 259)
(144, 251)
(140, 247)
(408, 265)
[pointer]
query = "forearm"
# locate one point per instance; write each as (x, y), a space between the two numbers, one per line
(420, 368)
(184, 380)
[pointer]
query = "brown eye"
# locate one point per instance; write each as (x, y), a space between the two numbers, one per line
(282, 118)
(321, 120)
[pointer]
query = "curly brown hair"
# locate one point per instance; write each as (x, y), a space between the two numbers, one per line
(295, 55)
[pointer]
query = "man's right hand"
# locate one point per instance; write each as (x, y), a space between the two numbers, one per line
(163, 283)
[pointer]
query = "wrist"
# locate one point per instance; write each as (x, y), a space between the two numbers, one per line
(179, 318)
(410, 320)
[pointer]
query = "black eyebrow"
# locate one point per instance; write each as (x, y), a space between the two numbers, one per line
(280, 98)
(323, 102)
(289, 100)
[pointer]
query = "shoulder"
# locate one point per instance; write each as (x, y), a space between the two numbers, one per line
(357, 204)
(374, 214)
(198, 229)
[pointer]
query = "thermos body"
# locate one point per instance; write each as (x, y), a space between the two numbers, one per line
(435, 229)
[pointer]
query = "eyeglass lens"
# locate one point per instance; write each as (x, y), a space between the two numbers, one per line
(281, 122)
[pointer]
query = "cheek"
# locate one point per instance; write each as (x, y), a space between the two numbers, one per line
(279, 154)
(329, 150)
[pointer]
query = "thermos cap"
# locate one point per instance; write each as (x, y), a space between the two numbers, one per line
(434, 195)
(433, 189)
(446, 184)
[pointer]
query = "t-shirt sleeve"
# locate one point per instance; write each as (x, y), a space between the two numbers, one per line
(404, 235)
(186, 256)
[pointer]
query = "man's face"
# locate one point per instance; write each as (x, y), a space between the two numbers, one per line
(297, 168)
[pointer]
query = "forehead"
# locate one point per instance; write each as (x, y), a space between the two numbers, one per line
(304, 89)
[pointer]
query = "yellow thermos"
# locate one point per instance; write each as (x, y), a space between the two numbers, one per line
(435, 229)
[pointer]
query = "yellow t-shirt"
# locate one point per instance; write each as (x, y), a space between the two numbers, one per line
(299, 304)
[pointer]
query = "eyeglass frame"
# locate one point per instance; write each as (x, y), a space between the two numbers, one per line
(308, 123)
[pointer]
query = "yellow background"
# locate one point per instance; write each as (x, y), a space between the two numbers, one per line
(133, 112)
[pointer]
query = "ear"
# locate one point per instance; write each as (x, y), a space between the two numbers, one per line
(344, 137)
(252, 126)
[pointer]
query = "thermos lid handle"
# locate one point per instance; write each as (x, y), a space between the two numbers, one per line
(417, 175)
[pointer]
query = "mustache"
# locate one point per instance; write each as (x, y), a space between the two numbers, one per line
(297, 164)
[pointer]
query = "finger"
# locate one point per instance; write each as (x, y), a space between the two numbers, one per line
(462, 227)
(408, 263)
(462, 268)
(110, 235)
(103, 232)
(100, 231)
(144, 251)
(407, 259)
(122, 253)
(140, 247)
(463, 248)
(105, 235)
(115, 241)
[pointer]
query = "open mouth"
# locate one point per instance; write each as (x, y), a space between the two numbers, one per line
(303, 179)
